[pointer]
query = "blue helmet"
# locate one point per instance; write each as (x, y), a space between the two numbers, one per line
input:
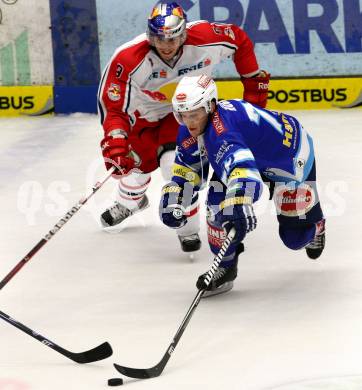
(167, 20)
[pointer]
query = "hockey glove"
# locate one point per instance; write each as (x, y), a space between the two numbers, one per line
(172, 213)
(115, 150)
(237, 211)
(256, 89)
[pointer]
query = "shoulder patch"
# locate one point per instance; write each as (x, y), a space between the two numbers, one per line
(114, 92)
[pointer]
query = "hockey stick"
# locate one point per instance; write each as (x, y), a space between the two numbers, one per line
(144, 373)
(101, 352)
(55, 229)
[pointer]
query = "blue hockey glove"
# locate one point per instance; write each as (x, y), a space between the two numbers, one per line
(171, 211)
(237, 211)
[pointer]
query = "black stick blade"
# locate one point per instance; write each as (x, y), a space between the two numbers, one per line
(140, 373)
(101, 352)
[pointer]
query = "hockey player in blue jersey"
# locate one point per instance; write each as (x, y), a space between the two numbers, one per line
(244, 144)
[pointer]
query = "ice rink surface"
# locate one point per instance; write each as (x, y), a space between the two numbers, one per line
(289, 323)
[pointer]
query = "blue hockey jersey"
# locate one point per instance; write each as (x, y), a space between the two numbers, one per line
(240, 142)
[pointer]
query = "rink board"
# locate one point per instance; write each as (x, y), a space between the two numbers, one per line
(316, 93)
(27, 100)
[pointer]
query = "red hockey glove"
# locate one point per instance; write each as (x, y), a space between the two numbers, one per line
(256, 89)
(115, 151)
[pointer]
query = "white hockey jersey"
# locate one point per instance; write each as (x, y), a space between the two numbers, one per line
(137, 83)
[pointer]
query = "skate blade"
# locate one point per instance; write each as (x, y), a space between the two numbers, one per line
(227, 286)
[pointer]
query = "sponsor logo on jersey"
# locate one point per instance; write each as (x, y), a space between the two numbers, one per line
(295, 202)
(185, 173)
(239, 173)
(119, 71)
(222, 150)
(229, 33)
(158, 74)
(188, 142)
(114, 92)
(218, 125)
(288, 134)
(155, 95)
(223, 29)
(190, 68)
(300, 163)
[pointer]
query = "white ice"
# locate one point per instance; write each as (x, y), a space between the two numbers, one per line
(288, 319)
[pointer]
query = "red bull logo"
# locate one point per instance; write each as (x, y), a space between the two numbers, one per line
(114, 92)
(155, 95)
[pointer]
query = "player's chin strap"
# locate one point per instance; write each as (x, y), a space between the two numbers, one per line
(70, 213)
(143, 373)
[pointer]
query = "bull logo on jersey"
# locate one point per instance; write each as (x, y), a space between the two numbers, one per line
(225, 29)
(114, 92)
(155, 95)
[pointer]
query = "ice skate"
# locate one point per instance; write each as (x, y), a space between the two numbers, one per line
(222, 281)
(191, 243)
(315, 248)
(115, 215)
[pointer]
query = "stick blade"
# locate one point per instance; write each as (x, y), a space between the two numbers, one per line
(101, 352)
(139, 373)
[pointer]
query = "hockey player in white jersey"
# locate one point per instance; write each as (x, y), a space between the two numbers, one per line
(135, 107)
